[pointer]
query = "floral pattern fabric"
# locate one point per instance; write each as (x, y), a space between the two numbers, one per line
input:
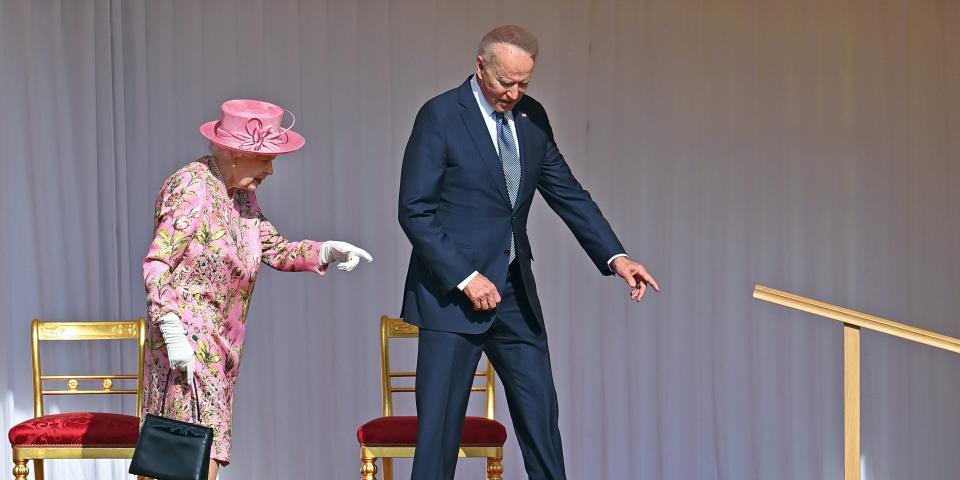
(202, 265)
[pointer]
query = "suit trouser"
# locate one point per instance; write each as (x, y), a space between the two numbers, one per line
(517, 346)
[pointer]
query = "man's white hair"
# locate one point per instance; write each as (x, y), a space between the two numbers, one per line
(510, 35)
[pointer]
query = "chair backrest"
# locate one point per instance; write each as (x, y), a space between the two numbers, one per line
(391, 328)
(59, 331)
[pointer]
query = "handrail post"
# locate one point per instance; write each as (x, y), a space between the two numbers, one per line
(851, 402)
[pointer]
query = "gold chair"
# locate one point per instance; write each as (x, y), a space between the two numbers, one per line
(78, 434)
(391, 436)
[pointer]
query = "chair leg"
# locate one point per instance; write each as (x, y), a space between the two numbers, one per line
(37, 469)
(368, 471)
(495, 468)
(387, 468)
(20, 470)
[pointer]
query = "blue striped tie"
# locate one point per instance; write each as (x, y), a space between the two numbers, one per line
(510, 159)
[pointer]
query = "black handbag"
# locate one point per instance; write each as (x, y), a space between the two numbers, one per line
(170, 449)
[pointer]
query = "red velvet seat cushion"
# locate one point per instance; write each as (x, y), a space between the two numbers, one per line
(402, 432)
(94, 429)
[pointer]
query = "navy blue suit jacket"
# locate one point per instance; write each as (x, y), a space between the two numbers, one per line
(455, 209)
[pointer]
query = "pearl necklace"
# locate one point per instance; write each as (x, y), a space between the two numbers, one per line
(216, 170)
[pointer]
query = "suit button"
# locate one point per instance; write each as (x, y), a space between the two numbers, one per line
(507, 252)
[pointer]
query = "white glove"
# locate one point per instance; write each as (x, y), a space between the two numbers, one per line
(179, 351)
(346, 254)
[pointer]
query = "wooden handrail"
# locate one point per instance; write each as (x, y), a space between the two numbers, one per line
(859, 319)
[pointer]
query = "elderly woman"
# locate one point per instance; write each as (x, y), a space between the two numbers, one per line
(210, 236)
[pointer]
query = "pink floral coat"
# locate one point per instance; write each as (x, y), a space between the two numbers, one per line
(202, 265)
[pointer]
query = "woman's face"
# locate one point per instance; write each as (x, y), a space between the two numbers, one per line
(251, 170)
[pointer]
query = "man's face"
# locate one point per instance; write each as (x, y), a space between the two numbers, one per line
(505, 80)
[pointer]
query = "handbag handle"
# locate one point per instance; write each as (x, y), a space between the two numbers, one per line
(196, 398)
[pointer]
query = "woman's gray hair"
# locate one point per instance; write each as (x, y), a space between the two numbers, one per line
(220, 153)
(223, 153)
(510, 35)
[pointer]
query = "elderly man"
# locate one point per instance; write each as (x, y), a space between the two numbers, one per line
(475, 157)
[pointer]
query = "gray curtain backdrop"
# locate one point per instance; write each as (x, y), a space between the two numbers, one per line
(809, 145)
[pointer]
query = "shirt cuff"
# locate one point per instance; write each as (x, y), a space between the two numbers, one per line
(466, 281)
(610, 262)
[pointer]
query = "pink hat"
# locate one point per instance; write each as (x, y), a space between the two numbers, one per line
(252, 126)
